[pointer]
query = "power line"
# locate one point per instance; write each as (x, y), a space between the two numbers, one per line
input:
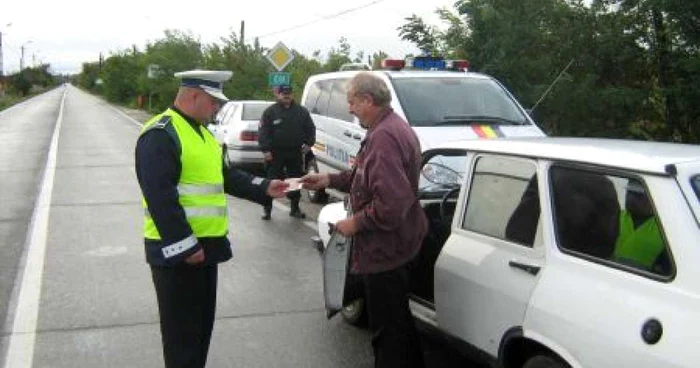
(331, 16)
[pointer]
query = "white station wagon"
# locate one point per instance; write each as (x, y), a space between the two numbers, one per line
(558, 252)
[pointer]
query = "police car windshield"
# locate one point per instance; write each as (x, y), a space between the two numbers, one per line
(253, 111)
(456, 101)
(696, 185)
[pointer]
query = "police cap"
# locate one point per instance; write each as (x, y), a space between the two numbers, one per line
(210, 81)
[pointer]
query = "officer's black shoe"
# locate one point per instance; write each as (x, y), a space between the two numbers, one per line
(266, 216)
(297, 213)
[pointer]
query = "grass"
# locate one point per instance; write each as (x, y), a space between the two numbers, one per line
(8, 100)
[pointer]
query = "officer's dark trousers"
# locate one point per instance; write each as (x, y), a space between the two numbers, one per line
(285, 164)
(395, 340)
(187, 304)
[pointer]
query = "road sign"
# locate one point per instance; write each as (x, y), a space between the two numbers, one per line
(153, 70)
(280, 56)
(279, 79)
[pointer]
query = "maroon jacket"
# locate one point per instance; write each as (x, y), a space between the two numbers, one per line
(383, 198)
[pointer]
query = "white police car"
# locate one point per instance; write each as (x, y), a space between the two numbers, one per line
(438, 98)
(533, 257)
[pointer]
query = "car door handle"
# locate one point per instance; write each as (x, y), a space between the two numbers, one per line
(347, 133)
(532, 270)
(357, 136)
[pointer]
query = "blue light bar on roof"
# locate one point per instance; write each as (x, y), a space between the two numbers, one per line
(429, 63)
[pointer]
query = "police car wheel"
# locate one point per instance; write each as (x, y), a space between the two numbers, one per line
(354, 312)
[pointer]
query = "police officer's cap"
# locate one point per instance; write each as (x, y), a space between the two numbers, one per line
(210, 81)
(284, 89)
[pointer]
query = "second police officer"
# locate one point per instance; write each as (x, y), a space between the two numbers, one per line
(286, 132)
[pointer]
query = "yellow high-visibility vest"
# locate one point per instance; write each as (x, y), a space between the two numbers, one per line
(201, 184)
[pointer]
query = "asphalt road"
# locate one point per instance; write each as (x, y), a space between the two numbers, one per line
(75, 290)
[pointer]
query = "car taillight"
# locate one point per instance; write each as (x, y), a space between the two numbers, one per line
(249, 136)
(459, 65)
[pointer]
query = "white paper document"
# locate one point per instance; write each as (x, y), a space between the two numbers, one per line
(294, 184)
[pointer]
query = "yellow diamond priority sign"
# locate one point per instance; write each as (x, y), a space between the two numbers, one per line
(280, 56)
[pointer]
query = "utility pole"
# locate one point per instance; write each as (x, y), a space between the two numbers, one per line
(242, 32)
(2, 70)
(21, 60)
(2, 65)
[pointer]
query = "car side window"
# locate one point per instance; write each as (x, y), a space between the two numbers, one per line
(695, 181)
(338, 106)
(608, 218)
(503, 199)
(321, 106)
(312, 96)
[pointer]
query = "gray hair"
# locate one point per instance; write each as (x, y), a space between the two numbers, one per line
(368, 84)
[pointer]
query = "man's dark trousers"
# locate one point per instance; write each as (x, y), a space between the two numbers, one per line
(187, 305)
(285, 164)
(395, 340)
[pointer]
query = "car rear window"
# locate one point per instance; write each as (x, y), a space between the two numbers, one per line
(253, 111)
(454, 101)
(695, 181)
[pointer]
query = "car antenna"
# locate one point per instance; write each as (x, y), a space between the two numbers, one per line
(552, 85)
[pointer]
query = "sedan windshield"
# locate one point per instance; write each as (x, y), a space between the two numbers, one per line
(456, 101)
(253, 111)
(695, 181)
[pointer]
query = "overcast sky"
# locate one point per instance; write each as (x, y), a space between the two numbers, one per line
(67, 33)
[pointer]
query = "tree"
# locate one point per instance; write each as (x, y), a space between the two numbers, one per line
(669, 30)
(377, 59)
(23, 81)
(89, 75)
(120, 75)
(424, 36)
(177, 51)
(338, 56)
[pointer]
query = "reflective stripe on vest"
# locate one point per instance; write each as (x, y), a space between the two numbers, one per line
(192, 212)
(200, 187)
(192, 189)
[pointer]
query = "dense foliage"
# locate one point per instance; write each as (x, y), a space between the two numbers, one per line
(124, 75)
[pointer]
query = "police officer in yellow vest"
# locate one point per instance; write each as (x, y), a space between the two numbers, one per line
(183, 179)
(639, 241)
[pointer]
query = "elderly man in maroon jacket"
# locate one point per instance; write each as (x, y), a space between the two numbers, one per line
(388, 223)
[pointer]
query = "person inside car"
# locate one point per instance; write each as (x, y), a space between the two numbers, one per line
(639, 242)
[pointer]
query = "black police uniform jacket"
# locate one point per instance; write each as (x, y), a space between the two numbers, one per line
(286, 128)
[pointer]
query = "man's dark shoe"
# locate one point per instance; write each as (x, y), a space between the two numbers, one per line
(297, 213)
(266, 216)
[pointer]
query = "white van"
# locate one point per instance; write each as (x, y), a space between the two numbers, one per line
(440, 105)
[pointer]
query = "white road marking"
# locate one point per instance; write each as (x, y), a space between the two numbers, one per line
(23, 335)
(126, 116)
